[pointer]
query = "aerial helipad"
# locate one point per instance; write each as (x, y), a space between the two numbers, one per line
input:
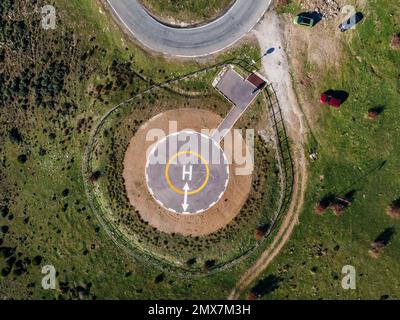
(187, 172)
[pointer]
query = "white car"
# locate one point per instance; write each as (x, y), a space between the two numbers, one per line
(351, 22)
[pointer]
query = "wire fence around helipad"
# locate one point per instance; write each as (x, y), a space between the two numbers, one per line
(284, 162)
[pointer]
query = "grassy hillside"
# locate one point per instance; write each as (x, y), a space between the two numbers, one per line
(358, 159)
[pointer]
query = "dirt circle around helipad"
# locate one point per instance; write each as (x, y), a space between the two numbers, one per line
(134, 174)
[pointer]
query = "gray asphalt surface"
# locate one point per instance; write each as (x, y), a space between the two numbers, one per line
(213, 187)
(189, 42)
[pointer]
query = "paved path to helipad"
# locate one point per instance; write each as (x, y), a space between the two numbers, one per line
(189, 42)
(241, 92)
(187, 172)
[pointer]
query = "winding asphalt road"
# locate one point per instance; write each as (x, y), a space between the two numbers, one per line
(189, 42)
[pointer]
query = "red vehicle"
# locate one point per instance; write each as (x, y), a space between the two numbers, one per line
(332, 101)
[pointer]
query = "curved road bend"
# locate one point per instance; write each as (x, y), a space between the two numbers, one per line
(190, 42)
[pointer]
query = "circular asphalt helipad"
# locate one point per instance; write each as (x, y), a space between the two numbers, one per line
(187, 172)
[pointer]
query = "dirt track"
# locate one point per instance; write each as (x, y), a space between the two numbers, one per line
(140, 198)
(276, 69)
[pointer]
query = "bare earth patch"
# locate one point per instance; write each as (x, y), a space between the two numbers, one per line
(312, 52)
(327, 8)
(185, 13)
(395, 44)
(140, 198)
(394, 209)
(276, 69)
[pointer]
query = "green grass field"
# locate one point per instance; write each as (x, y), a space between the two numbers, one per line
(187, 11)
(355, 155)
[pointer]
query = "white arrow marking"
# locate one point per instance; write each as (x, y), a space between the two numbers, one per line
(185, 204)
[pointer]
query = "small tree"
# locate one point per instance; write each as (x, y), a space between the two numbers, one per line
(373, 113)
(394, 209)
(159, 278)
(265, 286)
(208, 265)
(339, 205)
(251, 296)
(395, 44)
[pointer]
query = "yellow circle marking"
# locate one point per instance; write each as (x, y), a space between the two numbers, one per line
(176, 156)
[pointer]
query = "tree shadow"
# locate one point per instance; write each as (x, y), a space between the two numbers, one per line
(394, 209)
(342, 203)
(338, 94)
(261, 231)
(377, 110)
(191, 262)
(209, 264)
(266, 286)
(359, 16)
(351, 22)
(316, 16)
(386, 236)
(369, 172)
(260, 87)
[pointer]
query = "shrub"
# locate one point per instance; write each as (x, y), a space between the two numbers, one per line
(22, 158)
